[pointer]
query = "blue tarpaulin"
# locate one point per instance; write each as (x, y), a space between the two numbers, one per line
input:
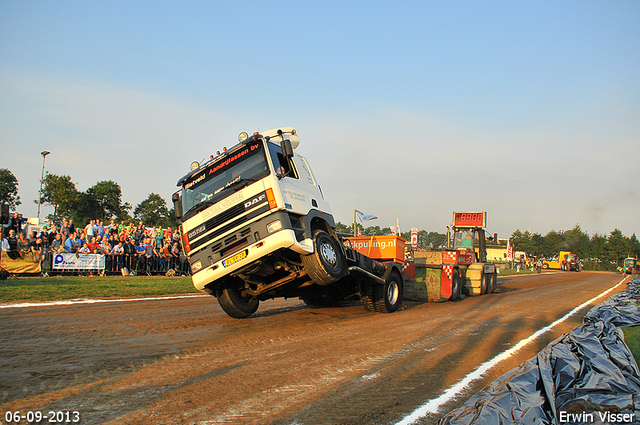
(586, 376)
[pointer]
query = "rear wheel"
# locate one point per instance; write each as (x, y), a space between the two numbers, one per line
(483, 284)
(327, 264)
(491, 287)
(234, 304)
(456, 285)
(388, 297)
(366, 297)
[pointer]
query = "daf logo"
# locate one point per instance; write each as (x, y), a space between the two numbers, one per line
(254, 201)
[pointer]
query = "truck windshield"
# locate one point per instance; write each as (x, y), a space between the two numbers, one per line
(223, 177)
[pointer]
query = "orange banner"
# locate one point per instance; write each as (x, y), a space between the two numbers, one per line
(387, 248)
(19, 265)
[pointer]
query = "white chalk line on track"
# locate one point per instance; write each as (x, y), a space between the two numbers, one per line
(98, 301)
(432, 406)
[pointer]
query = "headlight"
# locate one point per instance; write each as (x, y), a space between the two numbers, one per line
(195, 267)
(274, 226)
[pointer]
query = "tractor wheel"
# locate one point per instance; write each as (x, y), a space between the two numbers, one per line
(483, 284)
(327, 263)
(493, 281)
(456, 285)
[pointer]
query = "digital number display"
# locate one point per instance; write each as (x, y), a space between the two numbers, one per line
(470, 219)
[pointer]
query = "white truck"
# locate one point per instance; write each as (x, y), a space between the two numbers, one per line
(255, 226)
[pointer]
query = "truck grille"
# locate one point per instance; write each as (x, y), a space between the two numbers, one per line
(222, 224)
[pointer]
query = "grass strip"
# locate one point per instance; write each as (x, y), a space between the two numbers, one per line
(27, 289)
(632, 338)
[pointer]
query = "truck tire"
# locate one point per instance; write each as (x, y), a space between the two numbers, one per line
(366, 297)
(456, 285)
(492, 282)
(327, 264)
(388, 297)
(483, 284)
(234, 304)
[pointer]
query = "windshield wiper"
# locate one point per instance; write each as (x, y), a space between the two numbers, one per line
(239, 182)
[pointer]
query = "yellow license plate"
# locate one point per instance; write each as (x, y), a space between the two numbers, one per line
(234, 259)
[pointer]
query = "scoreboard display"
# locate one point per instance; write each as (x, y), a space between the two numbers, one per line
(470, 219)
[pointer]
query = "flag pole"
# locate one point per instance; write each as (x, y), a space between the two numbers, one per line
(354, 223)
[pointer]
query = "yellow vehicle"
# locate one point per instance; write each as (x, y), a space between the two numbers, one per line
(630, 265)
(566, 261)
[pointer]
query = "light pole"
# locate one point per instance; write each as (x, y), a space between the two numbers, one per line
(44, 157)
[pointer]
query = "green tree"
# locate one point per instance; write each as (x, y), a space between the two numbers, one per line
(344, 229)
(617, 248)
(60, 192)
(428, 240)
(108, 197)
(537, 240)
(634, 246)
(87, 209)
(372, 231)
(577, 241)
(597, 246)
(9, 189)
(553, 243)
(153, 211)
(434, 240)
(522, 242)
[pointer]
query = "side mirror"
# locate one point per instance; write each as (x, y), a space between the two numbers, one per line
(177, 206)
(287, 149)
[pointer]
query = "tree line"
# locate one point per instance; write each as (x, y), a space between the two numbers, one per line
(101, 201)
(599, 251)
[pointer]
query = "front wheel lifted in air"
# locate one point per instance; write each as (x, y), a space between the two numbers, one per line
(327, 263)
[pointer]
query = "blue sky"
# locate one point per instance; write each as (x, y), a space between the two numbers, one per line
(527, 110)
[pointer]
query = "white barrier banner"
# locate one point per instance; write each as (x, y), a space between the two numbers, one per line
(78, 261)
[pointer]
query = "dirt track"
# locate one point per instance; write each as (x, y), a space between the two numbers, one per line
(184, 361)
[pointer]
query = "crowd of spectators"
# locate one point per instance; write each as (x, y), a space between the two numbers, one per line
(134, 248)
